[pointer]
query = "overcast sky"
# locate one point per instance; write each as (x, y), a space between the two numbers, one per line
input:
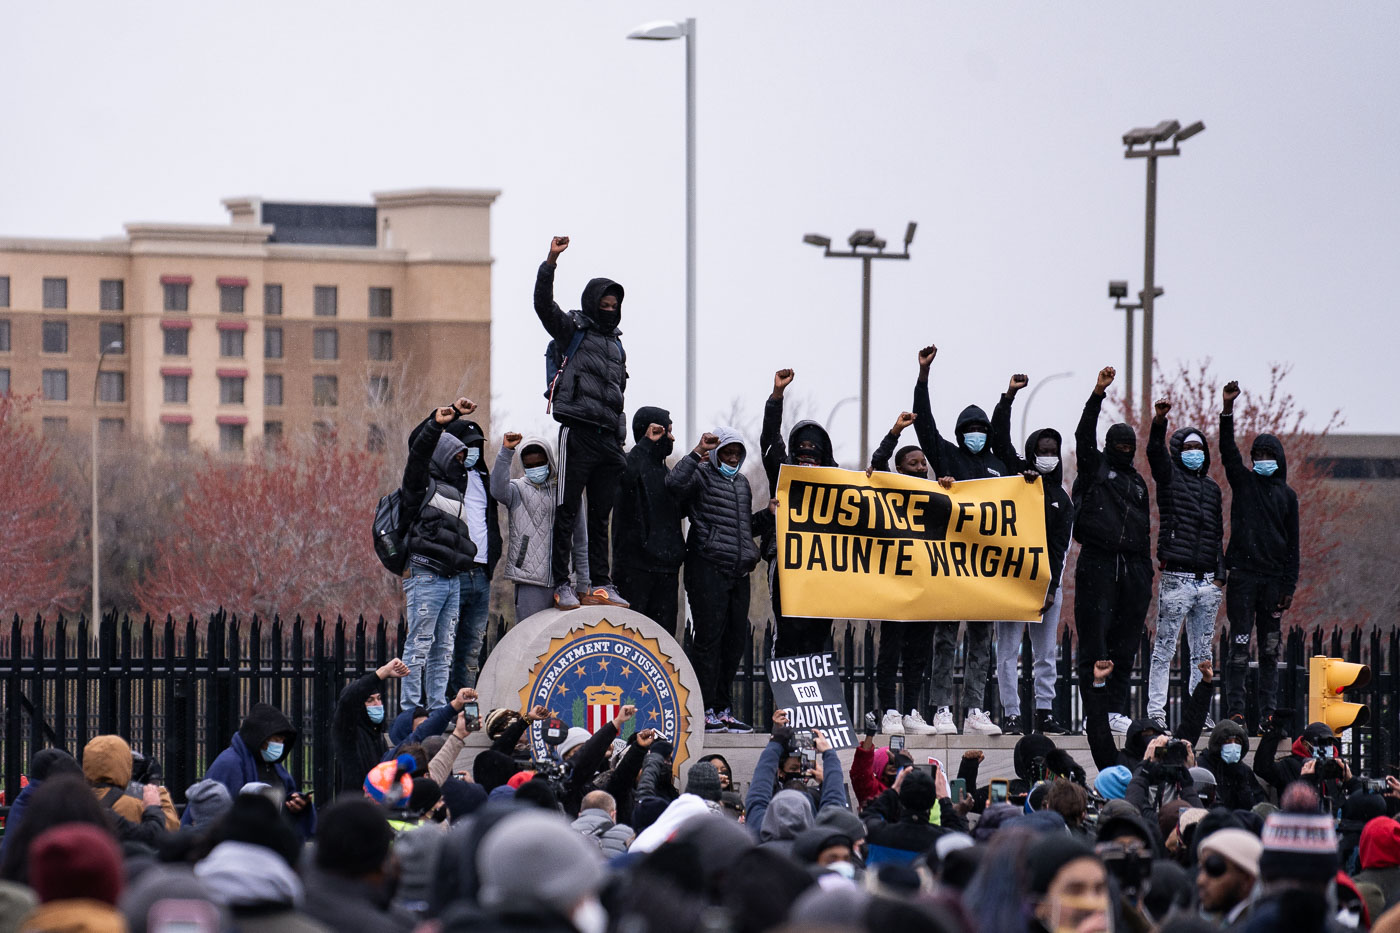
(995, 126)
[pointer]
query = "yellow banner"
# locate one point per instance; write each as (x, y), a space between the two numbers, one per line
(894, 547)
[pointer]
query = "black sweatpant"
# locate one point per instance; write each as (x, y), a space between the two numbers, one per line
(793, 637)
(719, 608)
(912, 641)
(1111, 594)
(655, 595)
(1251, 603)
(590, 460)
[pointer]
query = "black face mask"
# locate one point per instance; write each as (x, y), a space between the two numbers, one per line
(920, 474)
(664, 447)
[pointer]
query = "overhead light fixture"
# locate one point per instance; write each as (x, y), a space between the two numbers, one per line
(1163, 131)
(861, 238)
(1117, 289)
(816, 239)
(658, 30)
(1138, 136)
(909, 235)
(1189, 131)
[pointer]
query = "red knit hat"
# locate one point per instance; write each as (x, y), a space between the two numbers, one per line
(75, 860)
(520, 777)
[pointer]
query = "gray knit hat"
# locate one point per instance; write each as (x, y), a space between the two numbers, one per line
(534, 857)
(703, 781)
(206, 801)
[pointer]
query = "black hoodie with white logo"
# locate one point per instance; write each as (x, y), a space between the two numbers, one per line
(1263, 512)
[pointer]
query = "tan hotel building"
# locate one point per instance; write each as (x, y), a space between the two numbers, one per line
(271, 325)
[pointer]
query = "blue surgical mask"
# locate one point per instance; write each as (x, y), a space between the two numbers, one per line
(538, 475)
(1265, 467)
(376, 713)
(1231, 754)
(274, 750)
(975, 441)
(1193, 459)
(727, 470)
(473, 455)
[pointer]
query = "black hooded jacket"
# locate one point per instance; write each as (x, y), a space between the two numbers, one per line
(358, 744)
(437, 539)
(590, 387)
(1110, 497)
(1263, 512)
(263, 722)
(775, 453)
(952, 458)
(1059, 509)
(1190, 528)
(646, 525)
(1235, 784)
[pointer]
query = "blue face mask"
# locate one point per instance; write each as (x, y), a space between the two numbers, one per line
(1265, 467)
(376, 713)
(727, 470)
(1193, 459)
(1231, 754)
(538, 475)
(975, 441)
(274, 751)
(473, 455)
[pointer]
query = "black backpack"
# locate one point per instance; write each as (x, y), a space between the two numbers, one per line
(390, 530)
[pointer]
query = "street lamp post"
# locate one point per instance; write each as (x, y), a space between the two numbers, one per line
(1151, 137)
(866, 247)
(113, 347)
(661, 31)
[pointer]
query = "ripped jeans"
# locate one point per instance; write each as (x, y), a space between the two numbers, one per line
(432, 604)
(1181, 598)
(1250, 607)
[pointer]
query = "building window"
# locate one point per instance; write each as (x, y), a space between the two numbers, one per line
(381, 345)
(55, 336)
(111, 428)
(381, 302)
(177, 389)
(55, 385)
(272, 389)
(376, 440)
(230, 390)
(4, 335)
(56, 294)
(231, 299)
(272, 343)
(55, 427)
(325, 344)
(177, 341)
(230, 438)
(272, 433)
(111, 295)
(325, 391)
(175, 437)
(110, 332)
(111, 387)
(231, 343)
(4, 381)
(272, 300)
(177, 296)
(4, 291)
(325, 304)
(380, 392)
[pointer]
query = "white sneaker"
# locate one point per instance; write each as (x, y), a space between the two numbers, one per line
(978, 722)
(943, 722)
(1119, 723)
(914, 724)
(892, 724)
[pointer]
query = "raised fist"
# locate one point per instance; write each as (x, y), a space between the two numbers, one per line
(1207, 671)
(1105, 378)
(780, 718)
(1162, 407)
(905, 420)
(656, 432)
(538, 713)
(395, 668)
(625, 714)
(1102, 671)
(464, 405)
(708, 442)
(781, 379)
(1018, 382)
(445, 415)
(557, 245)
(1231, 391)
(511, 440)
(645, 737)
(926, 355)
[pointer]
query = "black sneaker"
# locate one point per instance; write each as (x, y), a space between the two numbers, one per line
(1011, 725)
(1047, 724)
(712, 723)
(731, 724)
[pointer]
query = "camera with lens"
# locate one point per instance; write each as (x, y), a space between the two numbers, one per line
(1330, 769)
(1172, 758)
(1129, 867)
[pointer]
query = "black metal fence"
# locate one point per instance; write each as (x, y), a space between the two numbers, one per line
(177, 690)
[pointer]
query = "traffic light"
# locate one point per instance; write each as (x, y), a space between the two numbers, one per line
(1327, 678)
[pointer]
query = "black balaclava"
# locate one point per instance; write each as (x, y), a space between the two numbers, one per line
(1120, 434)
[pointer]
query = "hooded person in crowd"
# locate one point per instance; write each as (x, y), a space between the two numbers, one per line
(107, 766)
(648, 545)
(588, 378)
(46, 762)
(63, 798)
(1227, 872)
(1066, 886)
(76, 872)
(597, 820)
(206, 801)
(351, 881)
(530, 503)
(1042, 459)
(258, 753)
(767, 775)
(1297, 865)
(1312, 758)
(969, 456)
(808, 444)
(1262, 558)
(711, 486)
(162, 883)
(1190, 532)
(1356, 811)
(1380, 859)
(357, 726)
(482, 515)
(1113, 575)
(1224, 756)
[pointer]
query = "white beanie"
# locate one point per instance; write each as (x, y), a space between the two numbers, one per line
(573, 740)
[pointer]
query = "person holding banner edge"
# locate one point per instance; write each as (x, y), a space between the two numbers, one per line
(1042, 460)
(970, 457)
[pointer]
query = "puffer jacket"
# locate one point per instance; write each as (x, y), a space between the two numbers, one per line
(720, 509)
(952, 458)
(107, 767)
(774, 453)
(438, 539)
(1235, 785)
(590, 387)
(1190, 529)
(612, 838)
(1110, 497)
(531, 513)
(1263, 512)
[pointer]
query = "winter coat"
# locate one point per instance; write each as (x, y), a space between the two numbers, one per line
(74, 915)
(1263, 512)
(1280, 772)
(1110, 499)
(1380, 858)
(530, 509)
(952, 458)
(646, 524)
(260, 890)
(1189, 527)
(1059, 509)
(438, 539)
(612, 838)
(469, 433)
(107, 767)
(774, 453)
(868, 773)
(349, 904)
(589, 389)
(242, 761)
(901, 838)
(720, 509)
(358, 744)
(1235, 785)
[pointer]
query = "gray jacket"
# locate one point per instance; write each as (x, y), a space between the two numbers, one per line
(531, 516)
(612, 838)
(720, 508)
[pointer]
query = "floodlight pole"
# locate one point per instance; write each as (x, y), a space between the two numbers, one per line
(96, 564)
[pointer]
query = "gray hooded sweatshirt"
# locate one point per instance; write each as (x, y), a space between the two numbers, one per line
(531, 514)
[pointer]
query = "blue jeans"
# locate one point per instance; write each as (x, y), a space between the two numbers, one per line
(432, 627)
(1181, 597)
(475, 600)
